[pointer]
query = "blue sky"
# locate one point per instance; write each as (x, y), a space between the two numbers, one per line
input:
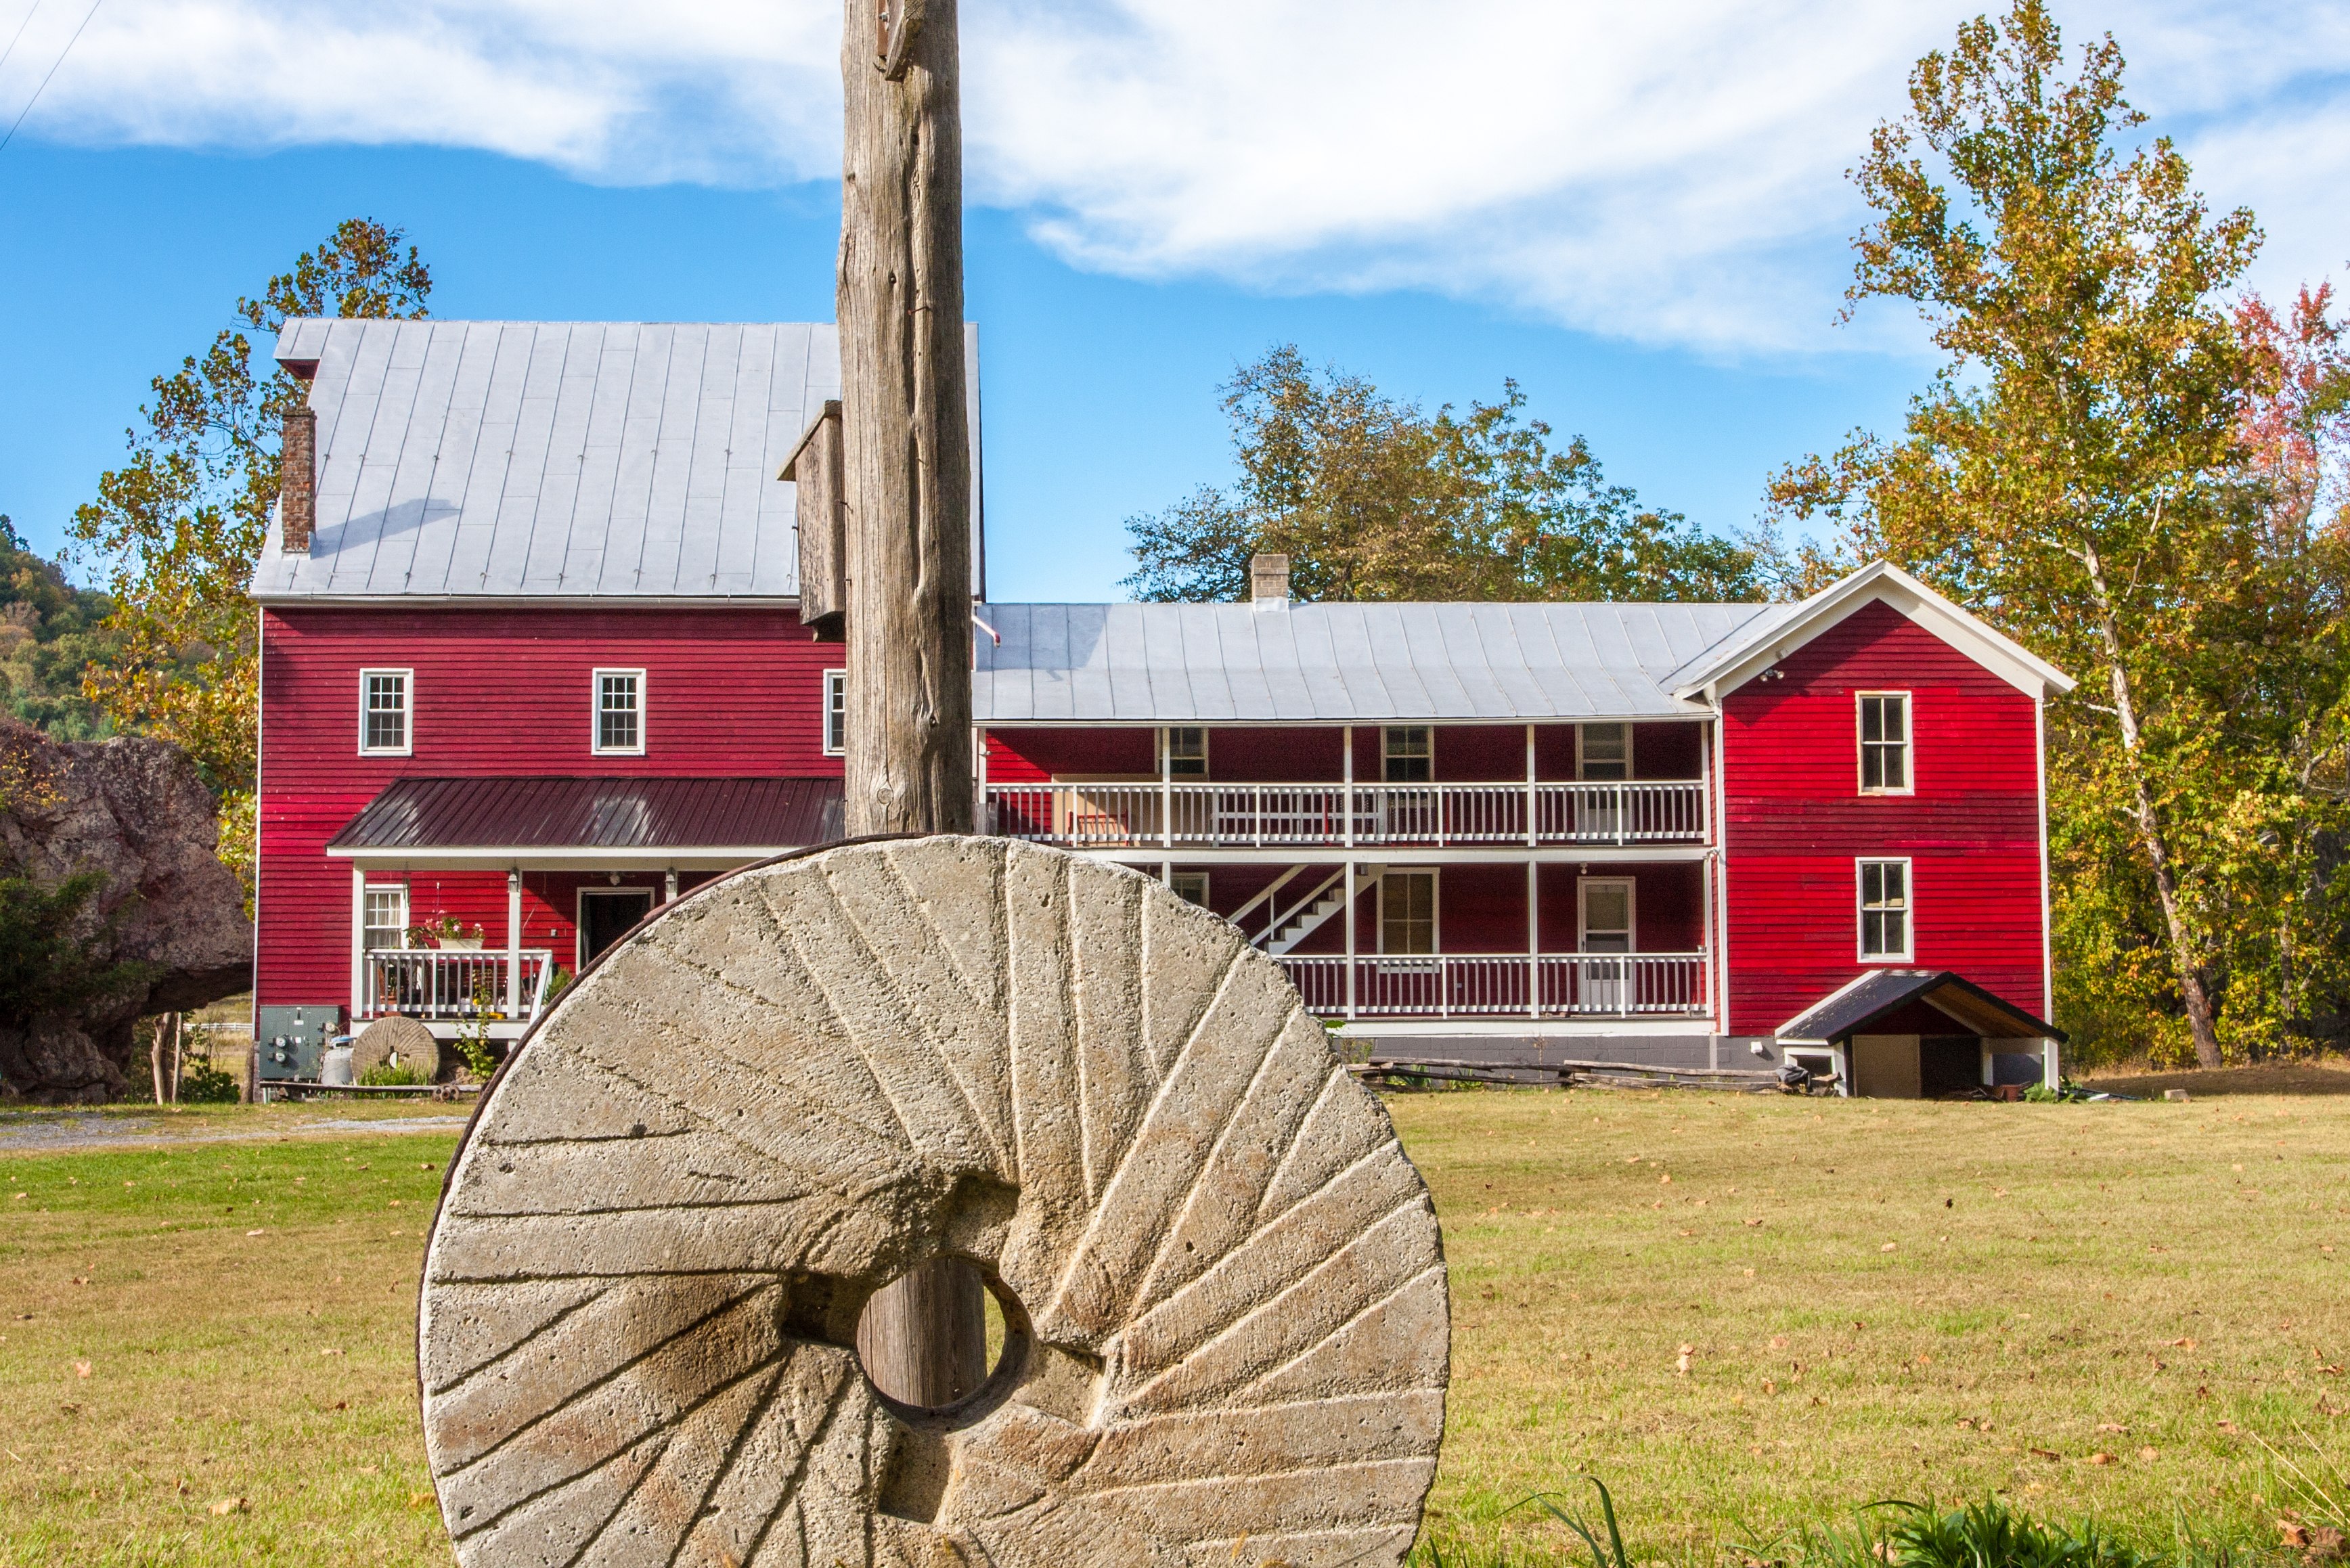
(1151, 205)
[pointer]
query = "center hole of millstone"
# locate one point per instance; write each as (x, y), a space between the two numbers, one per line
(942, 1342)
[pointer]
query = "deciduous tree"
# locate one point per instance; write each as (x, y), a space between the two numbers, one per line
(179, 526)
(1373, 499)
(2075, 471)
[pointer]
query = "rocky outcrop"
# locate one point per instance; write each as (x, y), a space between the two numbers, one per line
(135, 812)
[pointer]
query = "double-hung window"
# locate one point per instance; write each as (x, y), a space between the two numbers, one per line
(383, 713)
(1602, 753)
(1410, 754)
(1183, 748)
(1885, 911)
(387, 918)
(1884, 742)
(836, 712)
(620, 712)
(1191, 886)
(1408, 912)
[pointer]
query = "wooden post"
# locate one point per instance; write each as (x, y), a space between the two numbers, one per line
(905, 491)
(905, 436)
(155, 1053)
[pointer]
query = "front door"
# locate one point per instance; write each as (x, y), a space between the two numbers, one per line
(1604, 925)
(605, 915)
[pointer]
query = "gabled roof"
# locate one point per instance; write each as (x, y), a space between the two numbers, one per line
(1881, 993)
(1765, 640)
(1185, 663)
(573, 460)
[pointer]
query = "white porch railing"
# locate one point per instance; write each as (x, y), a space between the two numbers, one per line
(451, 982)
(1280, 815)
(1504, 985)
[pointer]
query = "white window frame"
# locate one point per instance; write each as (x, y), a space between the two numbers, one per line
(1385, 756)
(1167, 757)
(406, 746)
(1581, 774)
(1908, 744)
(1861, 909)
(836, 707)
(1175, 882)
(1631, 887)
(595, 711)
(366, 896)
(1435, 875)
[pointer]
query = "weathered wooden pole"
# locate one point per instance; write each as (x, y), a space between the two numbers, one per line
(905, 483)
(906, 439)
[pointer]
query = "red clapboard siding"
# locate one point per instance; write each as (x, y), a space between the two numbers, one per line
(729, 692)
(1795, 820)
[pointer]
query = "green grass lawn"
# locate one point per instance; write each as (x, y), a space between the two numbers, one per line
(1877, 1300)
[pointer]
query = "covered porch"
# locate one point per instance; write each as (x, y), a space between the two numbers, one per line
(475, 901)
(1468, 937)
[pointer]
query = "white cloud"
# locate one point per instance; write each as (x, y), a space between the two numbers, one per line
(1671, 173)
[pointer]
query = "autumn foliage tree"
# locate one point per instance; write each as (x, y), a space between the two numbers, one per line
(1373, 499)
(2107, 464)
(179, 526)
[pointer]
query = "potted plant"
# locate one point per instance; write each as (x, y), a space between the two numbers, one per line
(447, 932)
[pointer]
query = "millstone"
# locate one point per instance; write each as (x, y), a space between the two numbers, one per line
(411, 1041)
(1222, 1281)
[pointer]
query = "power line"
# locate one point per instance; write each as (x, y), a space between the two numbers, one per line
(20, 32)
(38, 91)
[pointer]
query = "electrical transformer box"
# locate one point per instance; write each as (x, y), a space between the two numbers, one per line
(293, 1042)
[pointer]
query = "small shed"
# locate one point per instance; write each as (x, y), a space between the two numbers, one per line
(1913, 1034)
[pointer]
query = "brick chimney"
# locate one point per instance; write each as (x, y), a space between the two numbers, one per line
(297, 480)
(1269, 581)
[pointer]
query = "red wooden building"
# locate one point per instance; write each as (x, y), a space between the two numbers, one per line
(532, 664)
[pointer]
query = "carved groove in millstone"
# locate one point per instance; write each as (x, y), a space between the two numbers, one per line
(770, 1101)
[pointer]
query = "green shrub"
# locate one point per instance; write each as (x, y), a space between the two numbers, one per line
(202, 1084)
(391, 1076)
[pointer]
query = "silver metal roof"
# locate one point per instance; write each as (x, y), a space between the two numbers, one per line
(1348, 663)
(558, 459)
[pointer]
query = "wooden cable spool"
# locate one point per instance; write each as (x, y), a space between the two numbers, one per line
(1221, 1280)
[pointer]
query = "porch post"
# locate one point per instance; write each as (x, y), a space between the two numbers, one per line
(1350, 912)
(1705, 889)
(1166, 788)
(1347, 772)
(358, 945)
(513, 942)
(1534, 917)
(1529, 793)
(669, 886)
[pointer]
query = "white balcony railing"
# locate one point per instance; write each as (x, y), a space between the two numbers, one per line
(1504, 985)
(1281, 816)
(452, 982)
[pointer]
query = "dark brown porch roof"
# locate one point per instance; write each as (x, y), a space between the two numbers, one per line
(1881, 993)
(427, 815)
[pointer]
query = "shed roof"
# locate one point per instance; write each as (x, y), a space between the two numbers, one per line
(483, 459)
(1881, 993)
(1187, 663)
(428, 815)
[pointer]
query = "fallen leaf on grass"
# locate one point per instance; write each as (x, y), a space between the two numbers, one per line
(1754, 1221)
(2149, 1454)
(419, 1499)
(2111, 1427)
(2230, 1427)
(1889, 1246)
(81, 1369)
(253, 1232)
(2293, 1535)
(330, 1353)
(2324, 1543)
(2101, 1458)
(2045, 1453)
(229, 1505)
(70, 1409)
(2182, 1345)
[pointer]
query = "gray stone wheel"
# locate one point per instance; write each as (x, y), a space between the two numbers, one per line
(404, 1038)
(1225, 1287)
